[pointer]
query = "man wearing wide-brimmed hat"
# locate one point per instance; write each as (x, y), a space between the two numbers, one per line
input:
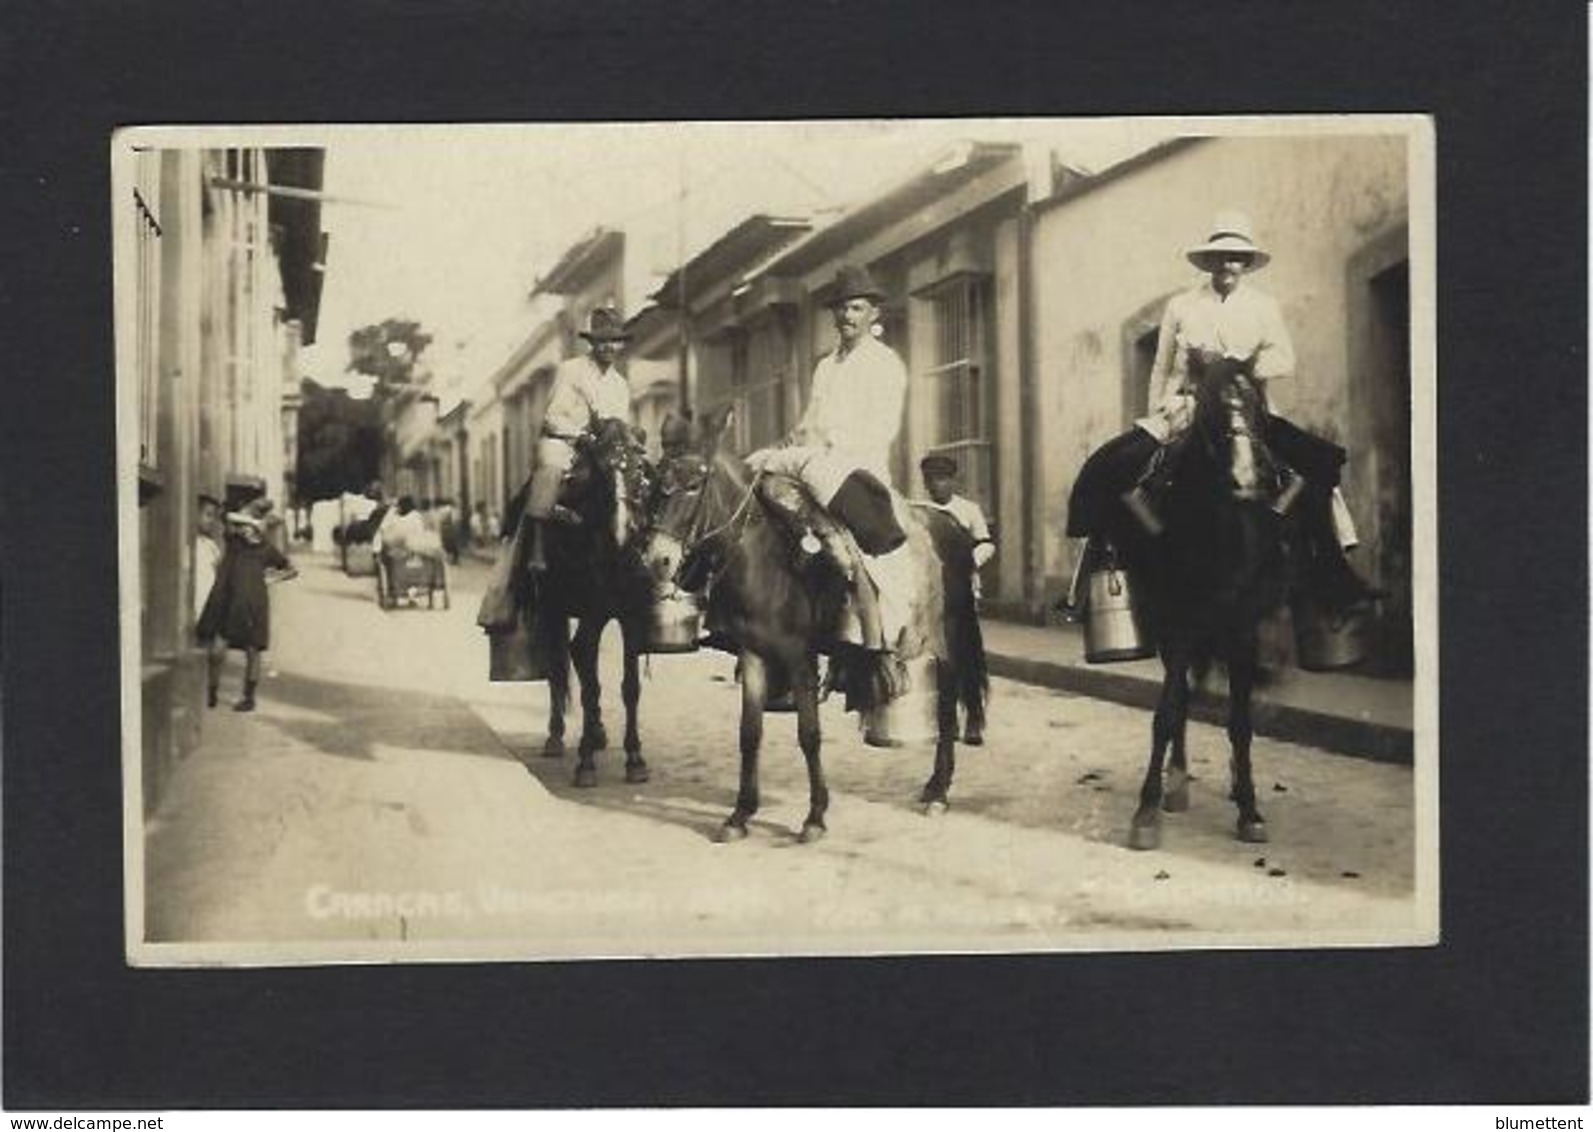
(585, 390)
(1223, 321)
(841, 447)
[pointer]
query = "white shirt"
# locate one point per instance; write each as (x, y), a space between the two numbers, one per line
(207, 556)
(1246, 325)
(972, 518)
(856, 405)
(582, 391)
(401, 532)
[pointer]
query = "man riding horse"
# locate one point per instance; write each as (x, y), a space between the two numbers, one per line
(840, 451)
(1222, 326)
(585, 390)
(592, 482)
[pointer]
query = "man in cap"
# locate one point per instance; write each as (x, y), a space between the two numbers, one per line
(940, 481)
(1224, 321)
(585, 390)
(841, 447)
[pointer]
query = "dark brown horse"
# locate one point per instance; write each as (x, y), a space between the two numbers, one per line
(772, 608)
(1221, 567)
(595, 575)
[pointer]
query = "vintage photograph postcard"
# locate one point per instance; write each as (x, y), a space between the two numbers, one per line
(845, 537)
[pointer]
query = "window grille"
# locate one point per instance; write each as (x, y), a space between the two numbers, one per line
(757, 392)
(957, 379)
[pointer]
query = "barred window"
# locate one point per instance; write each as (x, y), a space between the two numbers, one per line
(757, 381)
(958, 386)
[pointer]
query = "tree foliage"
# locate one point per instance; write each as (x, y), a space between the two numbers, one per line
(389, 351)
(340, 442)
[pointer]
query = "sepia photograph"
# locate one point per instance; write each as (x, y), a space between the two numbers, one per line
(866, 537)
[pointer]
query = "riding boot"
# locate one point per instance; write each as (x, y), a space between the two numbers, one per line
(247, 703)
(868, 615)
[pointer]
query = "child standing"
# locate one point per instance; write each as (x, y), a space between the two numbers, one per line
(940, 480)
(238, 612)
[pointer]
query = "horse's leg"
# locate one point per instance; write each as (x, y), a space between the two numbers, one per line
(1146, 831)
(809, 738)
(556, 639)
(1251, 826)
(631, 690)
(588, 636)
(1175, 790)
(935, 795)
(754, 691)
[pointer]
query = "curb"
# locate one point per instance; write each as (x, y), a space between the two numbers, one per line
(1337, 733)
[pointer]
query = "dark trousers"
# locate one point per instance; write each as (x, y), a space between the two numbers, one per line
(1116, 466)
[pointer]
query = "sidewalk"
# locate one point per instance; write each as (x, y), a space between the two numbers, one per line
(1349, 714)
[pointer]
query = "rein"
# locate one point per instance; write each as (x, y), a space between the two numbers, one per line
(695, 536)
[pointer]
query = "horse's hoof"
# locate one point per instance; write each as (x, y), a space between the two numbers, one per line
(1145, 835)
(1253, 832)
(934, 807)
(637, 772)
(585, 776)
(553, 748)
(1176, 800)
(812, 832)
(730, 832)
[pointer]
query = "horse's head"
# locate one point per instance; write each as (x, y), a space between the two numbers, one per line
(695, 496)
(1230, 420)
(617, 478)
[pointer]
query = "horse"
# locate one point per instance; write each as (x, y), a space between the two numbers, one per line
(1221, 566)
(772, 612)
(595, 575)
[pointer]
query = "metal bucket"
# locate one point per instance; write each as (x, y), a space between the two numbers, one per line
(1112, 630)
(514, 655)
(908, 719)
(1324, 641)
(674, 623)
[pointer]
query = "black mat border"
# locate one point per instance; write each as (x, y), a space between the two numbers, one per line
(1499, 1013)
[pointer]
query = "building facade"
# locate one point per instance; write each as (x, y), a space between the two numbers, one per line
(219, 256)
(1024, 296)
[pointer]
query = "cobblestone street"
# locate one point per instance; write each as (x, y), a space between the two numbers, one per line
(386, 792)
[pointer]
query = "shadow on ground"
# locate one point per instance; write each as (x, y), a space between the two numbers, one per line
(358, 718)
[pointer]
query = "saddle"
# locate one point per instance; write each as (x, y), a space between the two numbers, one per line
(815, 537)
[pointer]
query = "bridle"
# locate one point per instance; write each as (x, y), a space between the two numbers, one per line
(1237, 404)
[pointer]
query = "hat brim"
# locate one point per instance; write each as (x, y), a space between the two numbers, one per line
(604, 336)
(1203, 255)
(875, 297)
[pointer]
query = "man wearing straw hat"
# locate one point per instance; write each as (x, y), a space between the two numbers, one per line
(585, 390)
(1223, 321)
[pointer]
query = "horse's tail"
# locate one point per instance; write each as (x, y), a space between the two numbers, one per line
(966, 643)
